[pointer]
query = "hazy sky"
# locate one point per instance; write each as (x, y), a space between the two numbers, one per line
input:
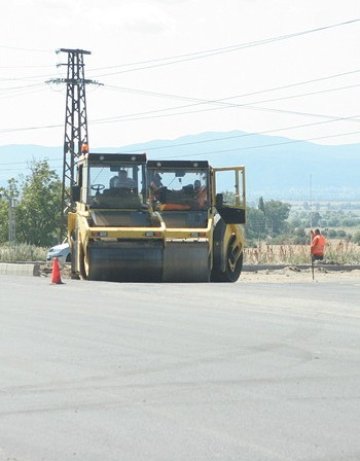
(219, 62)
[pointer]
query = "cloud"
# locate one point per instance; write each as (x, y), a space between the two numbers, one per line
(147, 17)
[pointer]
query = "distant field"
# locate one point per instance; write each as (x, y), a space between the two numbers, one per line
(337, 252)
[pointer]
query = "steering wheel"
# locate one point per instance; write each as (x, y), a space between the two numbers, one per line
(97, 188)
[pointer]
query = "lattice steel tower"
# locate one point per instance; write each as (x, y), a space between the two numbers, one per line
(76, 125)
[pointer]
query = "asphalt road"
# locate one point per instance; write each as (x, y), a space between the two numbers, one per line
(246, 372)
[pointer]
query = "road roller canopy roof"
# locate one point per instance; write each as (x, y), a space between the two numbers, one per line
(109, 157)
(172, 164)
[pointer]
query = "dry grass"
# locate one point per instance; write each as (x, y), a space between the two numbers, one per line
(21, 253)
(337, 252)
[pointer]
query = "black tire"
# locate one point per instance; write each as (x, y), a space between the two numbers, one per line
(234, 262)
(74, 273)
(82, 264)
(234, 257)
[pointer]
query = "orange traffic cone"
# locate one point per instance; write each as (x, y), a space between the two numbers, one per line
(55, 274)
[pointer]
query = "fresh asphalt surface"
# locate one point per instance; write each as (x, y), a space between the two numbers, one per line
(247, 372)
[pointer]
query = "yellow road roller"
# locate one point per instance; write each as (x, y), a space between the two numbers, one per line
(203, 209)
(113, 233)
(138, 220)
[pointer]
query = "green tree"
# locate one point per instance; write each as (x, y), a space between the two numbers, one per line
(300, 236)
(38, 212)
(255, 224)
(276, 215)
(4, 220)
(261, 205)
(350, 222)
(296, 222)
(8, 195)
(334, 221)
(315, 219)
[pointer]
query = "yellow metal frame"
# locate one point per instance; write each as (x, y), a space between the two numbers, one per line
(238, 170)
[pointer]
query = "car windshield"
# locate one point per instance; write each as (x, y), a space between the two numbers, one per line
(119, 185)
(178, 189)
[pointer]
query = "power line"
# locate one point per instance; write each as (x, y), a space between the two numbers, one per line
(11, 88)
(295, 141)
(225, 138)
(198, 101)
(196, 54)
(187, 56)
(252, 93)
(30, 128)
(215, 51)
(140, 115)
(21, 91)
(29, 77)
(246, 135)
(58, 165)
(223, 105)
(17, 48)
(207, 153)
(26, 67)
(236, 149)
(312, 93)
(222, 102)
(329, 118)
(164, 112)
(131, 117)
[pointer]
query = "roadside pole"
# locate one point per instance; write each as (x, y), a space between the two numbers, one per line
(311, 224)
(312, 267)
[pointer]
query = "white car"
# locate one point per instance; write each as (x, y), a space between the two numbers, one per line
(61, 251)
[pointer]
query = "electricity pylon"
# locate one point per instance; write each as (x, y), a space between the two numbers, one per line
(76, 125)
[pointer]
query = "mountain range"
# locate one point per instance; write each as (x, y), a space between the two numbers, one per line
(276, 167)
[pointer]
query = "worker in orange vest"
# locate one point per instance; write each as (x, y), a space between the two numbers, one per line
(318, 243)
(200, 194)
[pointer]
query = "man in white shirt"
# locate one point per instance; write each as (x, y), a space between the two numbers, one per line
(122, 181)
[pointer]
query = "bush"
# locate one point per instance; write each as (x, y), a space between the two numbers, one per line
(21, 252)
(300, 237)
(356, 237)
(341, 233)
(350, 222)
(331, 233)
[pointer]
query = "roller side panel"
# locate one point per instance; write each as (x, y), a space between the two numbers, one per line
(186, 262)
(123, 261)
